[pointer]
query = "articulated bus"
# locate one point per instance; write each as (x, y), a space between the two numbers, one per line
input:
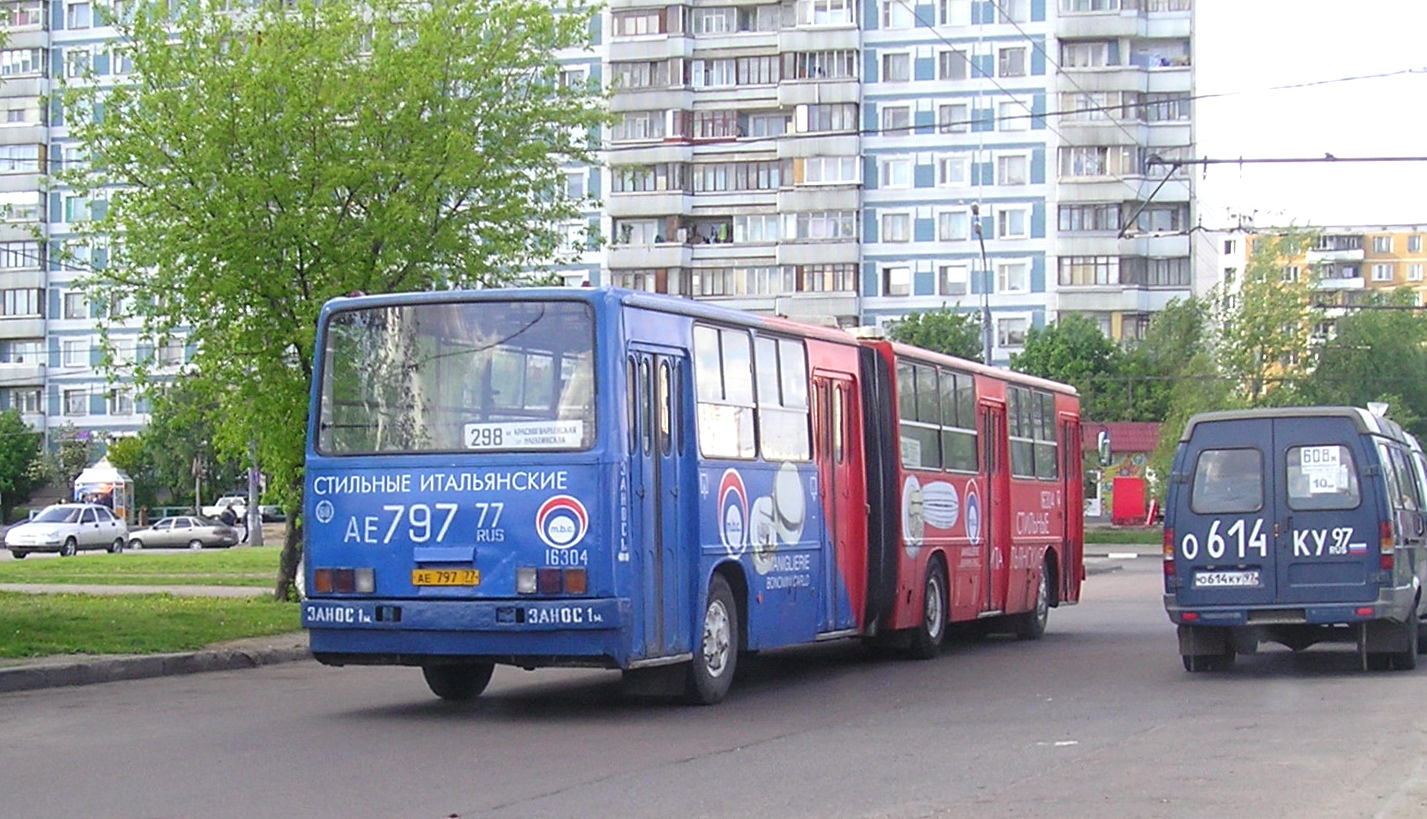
(603, 478)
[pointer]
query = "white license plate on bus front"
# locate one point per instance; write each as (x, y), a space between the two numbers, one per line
(1211, 580)
(445, 577)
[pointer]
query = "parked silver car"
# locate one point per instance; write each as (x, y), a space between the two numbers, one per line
(193, 531)
(66, 528)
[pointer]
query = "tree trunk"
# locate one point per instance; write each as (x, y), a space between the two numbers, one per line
(287, 563)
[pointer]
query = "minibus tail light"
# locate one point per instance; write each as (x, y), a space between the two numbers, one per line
(576, 581)
(322, 581)
(1168, 552)
(549, 581)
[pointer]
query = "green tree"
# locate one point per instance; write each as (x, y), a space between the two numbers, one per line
(259, 164)
(941, 330)
(1377, 351)
(19, 461)
(1074, 351)
(71, 452)
(1264, 322)
(1152, 367)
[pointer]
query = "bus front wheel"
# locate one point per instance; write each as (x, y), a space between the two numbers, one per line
(458, 683)
(716, 655)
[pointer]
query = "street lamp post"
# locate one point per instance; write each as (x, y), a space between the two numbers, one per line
(985, 287)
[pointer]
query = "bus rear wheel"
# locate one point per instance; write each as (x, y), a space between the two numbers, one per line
(458, 683)
(927, 638)
(1030, 625)
(716, 655)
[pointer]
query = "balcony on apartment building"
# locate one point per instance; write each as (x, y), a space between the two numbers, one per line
(1337, 275)
(1123, 18)
(1332, 248)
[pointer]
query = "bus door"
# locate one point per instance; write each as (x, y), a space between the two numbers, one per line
(659, 515)
(831, 394)
(995, 505)
(1072, 510)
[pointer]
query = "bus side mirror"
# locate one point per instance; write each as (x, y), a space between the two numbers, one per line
(1102, 446)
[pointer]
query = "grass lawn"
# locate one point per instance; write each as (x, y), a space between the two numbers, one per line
(244, 566)
(1137, 534)
(36, 625)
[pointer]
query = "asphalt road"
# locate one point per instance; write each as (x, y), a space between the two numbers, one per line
(1098, 719)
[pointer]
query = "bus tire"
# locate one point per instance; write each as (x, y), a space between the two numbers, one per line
(927, 637)
(1030, 625)
(458, 683)
(716, 655)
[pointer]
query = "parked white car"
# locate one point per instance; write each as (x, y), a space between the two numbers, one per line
(66, 528)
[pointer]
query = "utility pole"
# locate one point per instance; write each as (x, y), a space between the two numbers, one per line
(986, 282)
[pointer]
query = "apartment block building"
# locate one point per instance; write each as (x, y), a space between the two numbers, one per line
(838, 161)
(1348, 263)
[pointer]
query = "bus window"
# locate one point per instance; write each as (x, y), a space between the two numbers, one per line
(666, 399)
(723, 373)
(920, 409)
(488, 376)
(958, 422)
(782, 400)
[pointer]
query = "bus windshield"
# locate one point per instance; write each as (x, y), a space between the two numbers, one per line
(458, 376)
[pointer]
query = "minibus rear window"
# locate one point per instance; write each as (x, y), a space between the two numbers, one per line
(1227, 481)
(1322, 477)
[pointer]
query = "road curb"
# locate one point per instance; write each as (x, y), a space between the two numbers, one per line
(57, 672)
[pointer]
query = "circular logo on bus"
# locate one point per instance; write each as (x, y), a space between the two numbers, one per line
(973, 513)
(732, 512)
(562, 522)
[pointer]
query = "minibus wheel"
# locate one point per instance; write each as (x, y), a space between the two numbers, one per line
(1406, 660)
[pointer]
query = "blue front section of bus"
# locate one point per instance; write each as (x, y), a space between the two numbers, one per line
(445, 547)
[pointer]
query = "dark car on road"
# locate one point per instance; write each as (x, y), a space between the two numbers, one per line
(191, 531)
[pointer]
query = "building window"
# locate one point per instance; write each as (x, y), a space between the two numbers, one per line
(951, 279)
(953, 118)
(896, 173)
(1013, 116)
(1382, 244)
(1013, 223)
(120, 402)
(76, 402)
(953, 65)
(74, 305)
(78, 15)
(762, 227)
(1085, 54)
(826, 170)
(20, 206)
(821, 65)
(951, 170)
(1099, 160)
(896, 119)
(74, 352)
(21, 301)
(896, 281)
(1013, 11)
(1079, 271)
(21, 351)
(1382, 272)
(898, 14)
(953, 225)
(1013, 169)
(1089, 218)
(1414, 272)
(1414, 243)
(825, 13)
(818, 225)
(1011, 332)
(953, 12)
(1011, 62)
(826, 278)
(169, 354)
(1013, 277)
(24, 399)
(896, 227)
(638, 231)
(830, 117)
(636, 23)
(17, 62)
(897, 67)
(1290, 273)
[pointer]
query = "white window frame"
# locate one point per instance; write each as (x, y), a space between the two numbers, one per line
(1006, 66)
(73, 305)
(896, 280)
(896, 226)
(75, 402)
(119, 401)
(953, 118)
(1414, 272)
(1006, 219)
(1013, 276)
(953, 279)
(953, 12)
(1382, 244)
(1005, 164)
(898, 14)
(899, 63)
(946, 163)
(1013, 115)
(896, 173)
(946, 221)
(1011, 332)
(1383, 272)
(889, 114)
(74, 352)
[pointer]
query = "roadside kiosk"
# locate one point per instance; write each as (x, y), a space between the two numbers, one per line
(107, 484)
